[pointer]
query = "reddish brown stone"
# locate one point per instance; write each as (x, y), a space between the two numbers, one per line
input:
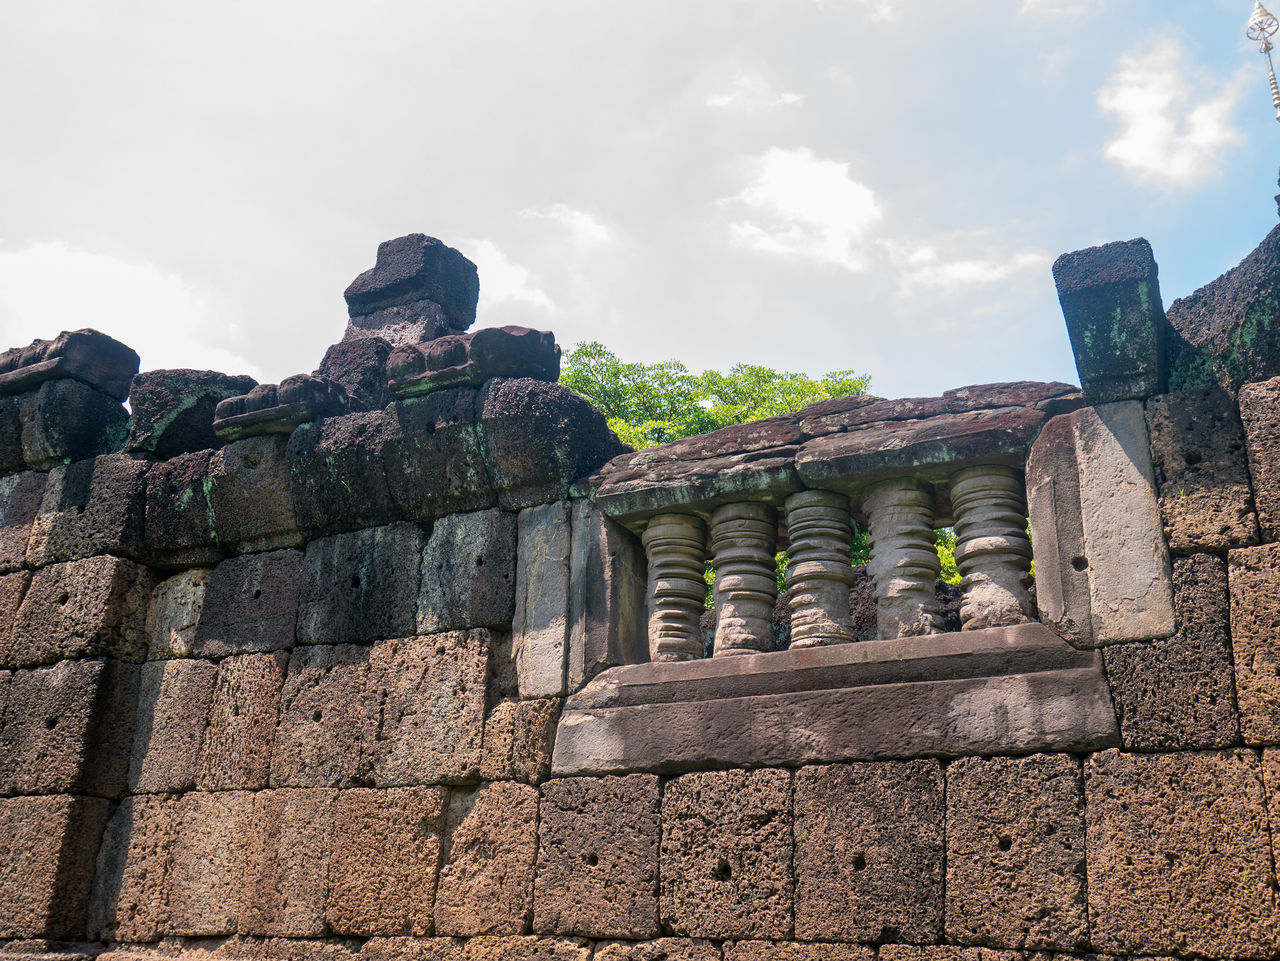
(173, 614)
(413, 268)
(386, 854)
(324, 718)
(336, 473)
(179, 523)
(435, 456)
(795, 951)
(950, 952)
(236, 751)
(469, 573)
(1016, 852)
(285, 883)
(412, 949)
(472, 359)
(1260, 413)
(90, 507)
(598, 858)
(526, 949)
(130, 890)
(47, 847)
(251, 605)
(486, 883)
(173, 710)
(251, 497)
(86, 355)
(869, 851)
(173, 409)
(93, 607)
(1164, 878)
(726, 854)
(20, 498)
(662, 949)
(206, 877)
(360, 368)
(13, 587)
(1255, 610)
(518, 740)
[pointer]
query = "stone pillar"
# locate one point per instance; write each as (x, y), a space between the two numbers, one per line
(904, 562)
(743, 544)
(992, 550)
(819, 575)
(676, 546)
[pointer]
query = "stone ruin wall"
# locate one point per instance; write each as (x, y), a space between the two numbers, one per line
(305, 670)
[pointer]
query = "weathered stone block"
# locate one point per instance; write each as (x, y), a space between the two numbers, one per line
(797, 951)
(90, 507)
(325, 717)
(469, 573)
(206, 876)
(47, 848)
(486, 882)
(660, 949)
(430, 697)
(173, 710)
(13, 587)
(519, 737)
(337, 475)
(412, 268)
(1260, 414)
(360, 368)
(412, 949)
(598, 858)
(526, 949)
(361, 586)
(472, 359)
(130, 887)
(87, 608)
(65, 420)
(251, 496)
(1254, 574)
(1016, 853)
(173, 409)
(951, 952)
(1163, 877)
(386, 854)
(1178, 694)
(179, 526)
(727, 854)
(11, 460)
(435, 456)
(236, 751)
(20, 499)
(251, 605)
(540, 630)
(869, 852)
(1198, 451)
(85, 355)
(174, 613)
(286, 867)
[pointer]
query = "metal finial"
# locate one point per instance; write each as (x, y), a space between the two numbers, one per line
(1262, 27)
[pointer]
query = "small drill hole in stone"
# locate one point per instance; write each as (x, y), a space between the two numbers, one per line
(591, 859)
(50, 723)
(257, 593)
(355, 582)
(64, 597)
(1080, 563)
(315, 715)
(723, 871)
(1005, 843)
(1192, 457)
(859, 862)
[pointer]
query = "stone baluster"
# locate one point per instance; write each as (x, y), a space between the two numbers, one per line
(904, 562)
(676, 547)
(743, 541)
(992, 550)
(819, 575)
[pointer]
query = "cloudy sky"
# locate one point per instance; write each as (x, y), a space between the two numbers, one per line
(876, 185)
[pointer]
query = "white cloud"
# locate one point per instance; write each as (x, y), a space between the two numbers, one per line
(805, 207)
(503, 282)
(1058, 8)
(923, 268)
(877, 9)
(584, 229)
(753, 94)
(1171, 135)
(46, 288)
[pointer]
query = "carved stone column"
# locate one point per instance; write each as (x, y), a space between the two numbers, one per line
(676, 547)
(904, 562)
(743, 540)
(819, 575)
(992, 550)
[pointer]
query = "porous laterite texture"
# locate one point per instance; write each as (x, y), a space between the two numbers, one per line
(324, 718)
(251, 605)
(660, 949)
(236, 751)
(286, 870)
(206, 876)
(795, 951)
(130, 891)
(173, 710)
(1255, 610)
(469, 573)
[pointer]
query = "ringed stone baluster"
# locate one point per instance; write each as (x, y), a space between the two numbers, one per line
(743, 539)
(992, 550)
(819, 575)
(676, 546)
(904, 562)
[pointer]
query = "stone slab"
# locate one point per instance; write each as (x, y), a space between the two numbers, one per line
(173, 711)
(130, 887)
(597, 873)
(469, 573)
(359, 367)
(1254, 575)
(435, 456)
(65, 420)
(540, 629)
(324, 720)
(179, 525)
(526, 949)
(251, 605)
(86, 355)
(90, 507)
(417, 267)
(659, 949)
(173, 409)
(337, 476)
(251, 496)
(1260, 414)
(206, 874)
(13, 587)
(796, 951)
(869, 852)
(20, 498)
(174, 614)
(519, 737)
(286, 867)
(236, 750)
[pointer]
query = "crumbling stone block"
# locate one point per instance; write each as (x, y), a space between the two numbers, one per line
(540, 630)
(251, 496)
(1178, 694)
(20, 499)
(1198, 451)
(1260, 414)
(1164, 878)
(869, 852)
(435, 456)
(412, 949)
(798, 951)
(207, 873)
(90, 507)
(951, 952)
(324, 718)
(173, 710)
(1254, 574)
(47, 847)
(179, 525)
(279, 408)
(130, 888)
(174, 613)
(337, 475)
(660, 949)
(1016, 852)
(86, 355)
(360, 368)
(236, 751)
(469, 573)
(526, 949)
(598, 858)
(93, 607)
(173, 409)
(409, 270)
(361, 586)
(11, 459)
(726, 854)
(519, 737)
(251, 605)
(65, 420)
(486, 882)
(430, 697)
(13, 587)
(285, 880)
(472, 359)
(386, 854)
